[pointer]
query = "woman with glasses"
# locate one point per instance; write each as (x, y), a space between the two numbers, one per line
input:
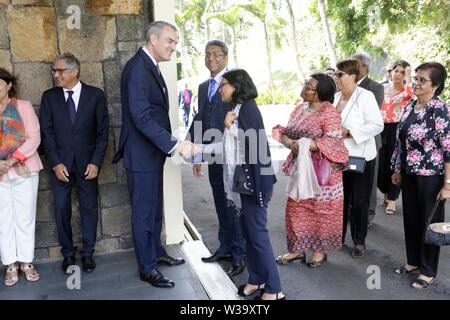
(315, 224)
(245, 139)
(421, 162)
(361, 122)
(397, 95)
(19, 179)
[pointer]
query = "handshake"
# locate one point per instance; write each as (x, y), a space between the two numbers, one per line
(187, 149)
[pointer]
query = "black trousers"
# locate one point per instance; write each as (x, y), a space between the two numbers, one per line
(384, 182)
(418, 196)
(357, 189)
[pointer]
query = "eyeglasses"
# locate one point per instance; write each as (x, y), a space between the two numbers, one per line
(340, 74)
(214, 54)
(308, 87)
(420, 80)
(54, 71)
(222, 84)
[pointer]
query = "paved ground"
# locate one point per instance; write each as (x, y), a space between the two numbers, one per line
(115, 278)
(341, 277)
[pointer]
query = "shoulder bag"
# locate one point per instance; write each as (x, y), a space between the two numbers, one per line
(437, 234)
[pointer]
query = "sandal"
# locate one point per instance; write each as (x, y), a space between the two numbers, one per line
(404, 270)
(29, 272)
(278, 297)
(314, 264)
(390, 212)
(10, 279)
(384, 203)
(243, 294)
(423, 284)
(283, 260)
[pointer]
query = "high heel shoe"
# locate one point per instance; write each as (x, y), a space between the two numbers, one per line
(314, 264)
(283, 260)
(242, 293)
(277, 297)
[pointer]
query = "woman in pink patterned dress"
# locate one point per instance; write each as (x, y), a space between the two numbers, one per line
(315, 224)
(397, 95)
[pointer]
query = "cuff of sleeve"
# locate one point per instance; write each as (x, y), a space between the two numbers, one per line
(19, 156)
(174, 147)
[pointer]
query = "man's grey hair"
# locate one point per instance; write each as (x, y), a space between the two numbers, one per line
(70, 61)
(157, 27)
(218, 43)
(366, 59)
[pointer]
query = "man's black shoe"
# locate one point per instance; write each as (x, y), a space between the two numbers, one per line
(88, 264)
(157, 279)
(236, 268)
(217, 256)
(68, 261)
(170, 261)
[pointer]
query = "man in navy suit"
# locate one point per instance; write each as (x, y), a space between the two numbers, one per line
(211, 116)
(145, 143)
(74, 125)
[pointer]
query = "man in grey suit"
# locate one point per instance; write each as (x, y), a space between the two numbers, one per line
(378, 91)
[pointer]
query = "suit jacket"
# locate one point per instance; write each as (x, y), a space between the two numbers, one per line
(145, 138)
(82, 142)
(378, 91)
(211, 114)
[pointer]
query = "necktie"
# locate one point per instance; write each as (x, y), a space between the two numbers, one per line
(211, 89)
(71, 105)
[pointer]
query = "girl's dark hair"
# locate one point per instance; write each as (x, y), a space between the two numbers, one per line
(326, 88)
(244, 87)
(437, 73)
(9, 78)
(402, 63)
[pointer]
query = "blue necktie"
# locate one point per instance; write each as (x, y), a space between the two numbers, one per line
(211, 89)
(71, 105)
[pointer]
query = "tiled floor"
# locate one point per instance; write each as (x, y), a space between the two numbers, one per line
(116, 277)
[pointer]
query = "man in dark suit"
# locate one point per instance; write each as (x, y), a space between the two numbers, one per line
(378, 91)
(74, 125)
(184, 101)
(145, 142)
(211, 116)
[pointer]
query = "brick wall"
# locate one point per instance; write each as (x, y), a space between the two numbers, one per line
(32, 33)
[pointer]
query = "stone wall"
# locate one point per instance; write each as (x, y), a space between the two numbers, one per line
(32, 33)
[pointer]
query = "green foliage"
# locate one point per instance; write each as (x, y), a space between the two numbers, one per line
(277, 95)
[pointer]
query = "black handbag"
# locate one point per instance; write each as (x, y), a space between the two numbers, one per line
(437, 234)
(356, 164)
(240, 184)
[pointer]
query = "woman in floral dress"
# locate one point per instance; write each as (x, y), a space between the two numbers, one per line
(315, 224)
(397, 95)
(421, 162)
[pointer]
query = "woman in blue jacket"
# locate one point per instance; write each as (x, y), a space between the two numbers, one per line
(246, 142)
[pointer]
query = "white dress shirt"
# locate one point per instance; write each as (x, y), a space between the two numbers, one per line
(363, 118)
(76, 94)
